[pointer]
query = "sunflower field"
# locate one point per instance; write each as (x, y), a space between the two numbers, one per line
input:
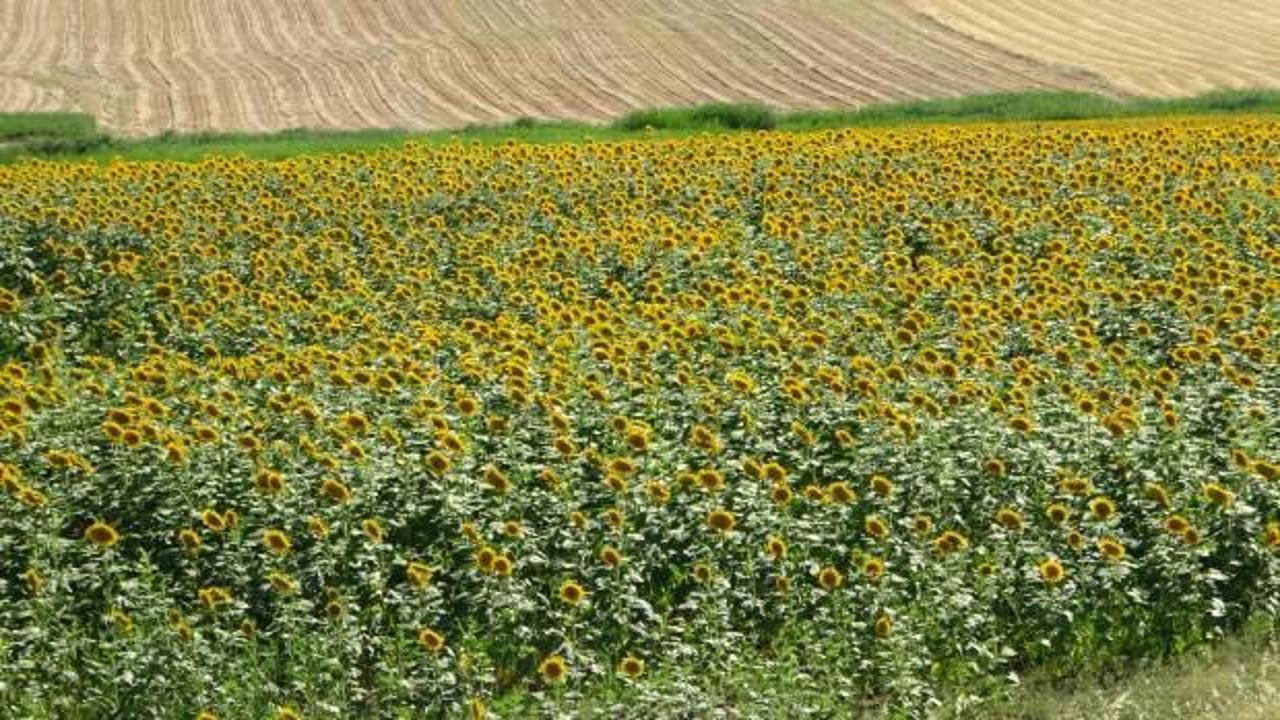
(406, 432)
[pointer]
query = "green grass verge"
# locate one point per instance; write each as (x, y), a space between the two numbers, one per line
(1237, 678)
(70, 136)
(45, 126)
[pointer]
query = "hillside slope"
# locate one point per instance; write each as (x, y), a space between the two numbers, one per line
(149, 66)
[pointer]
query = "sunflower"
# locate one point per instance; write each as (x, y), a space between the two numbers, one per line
(485, 557)
(703, 438)
(637, 438)
(276, 541)
(658, 492)
(881, 485)
(333, 609)
(631, 666)
(438, 463)
(1176, 524)
(451, 442)
(1217, 494)
(101, 534)
(620, 466)
(721, 521)
(469, 531)
(950, 541)
(1052, 571)
(121, 620)
(710, 479)
(571, 592)
(1009, 518)
(503, 565)
(373, 531)
(610, 556)
(354, 422)
(702, 572)
(840, 493)
(431, 640)
(189, 539)
(1111, 548)
(873, 568)
(553, 669)
(1021, 423)
(282, 584)
(1070, 484)
(921, 524)
(1271, 536)
(1268, 471)
(336, 491)
(113, 430)
(269, 482)
(564, 446)
(781, 494)
(616, 483)
(213, 598)
(614, 518)
(418, 574)
(249, 442)
(467, 406)
(1057, 513)
(883, 626)
(740, 382)
(318, 528)
(876, 527)
(830, 578)
(33, 580)
(496, 479)
(32, 498)
(1102, 508)
(775, 547)
(773, 473)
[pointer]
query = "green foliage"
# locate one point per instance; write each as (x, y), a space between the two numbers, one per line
(714, 116)
(857, 343)
(45, 125)
(69, 136)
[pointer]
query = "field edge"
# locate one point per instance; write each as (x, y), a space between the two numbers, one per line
(72, 136)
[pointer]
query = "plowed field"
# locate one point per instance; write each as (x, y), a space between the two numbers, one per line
(148, 66)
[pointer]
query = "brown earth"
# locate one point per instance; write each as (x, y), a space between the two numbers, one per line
(146, 66)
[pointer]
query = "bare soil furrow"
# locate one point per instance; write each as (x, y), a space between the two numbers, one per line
(761, 62)
(628, 47)
(848, 53)
(1149, 47)
(296, 39)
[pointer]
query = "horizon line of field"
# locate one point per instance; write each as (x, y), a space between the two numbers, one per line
(68, 135)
